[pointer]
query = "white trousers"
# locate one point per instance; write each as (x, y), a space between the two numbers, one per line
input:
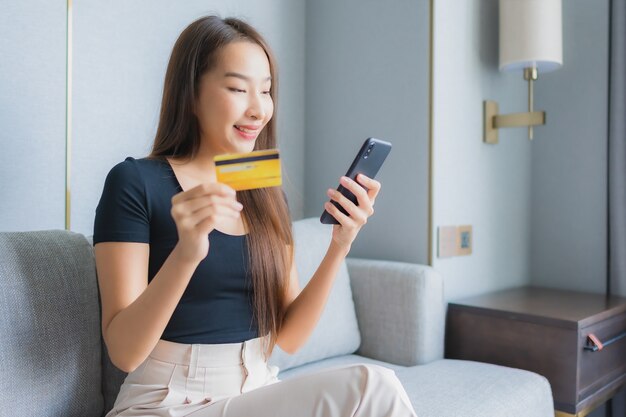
(234, 380)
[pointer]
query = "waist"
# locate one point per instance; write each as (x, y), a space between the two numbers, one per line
(210, 355)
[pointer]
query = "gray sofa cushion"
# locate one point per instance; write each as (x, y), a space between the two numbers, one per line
(454, 388)
(337, 332)
(401, 310)
(112, 377)
(49, 313)
(333, 362)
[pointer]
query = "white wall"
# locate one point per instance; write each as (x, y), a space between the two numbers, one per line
(486, 186)
(120, 53)
(367, 75)
(32, 115)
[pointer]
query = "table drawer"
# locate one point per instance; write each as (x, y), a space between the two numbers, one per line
(599, 368)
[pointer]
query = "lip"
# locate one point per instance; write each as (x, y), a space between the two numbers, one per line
(247, 136)
(244, 135)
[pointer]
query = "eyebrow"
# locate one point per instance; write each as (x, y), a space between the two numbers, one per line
(243, 77)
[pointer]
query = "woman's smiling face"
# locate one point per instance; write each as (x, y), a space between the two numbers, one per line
(234, 102)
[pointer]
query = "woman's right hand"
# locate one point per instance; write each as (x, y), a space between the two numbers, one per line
(196, 212)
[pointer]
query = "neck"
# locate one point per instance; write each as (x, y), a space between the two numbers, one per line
(203, 161)
(201, 167)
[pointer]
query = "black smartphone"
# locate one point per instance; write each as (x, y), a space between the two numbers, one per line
(367, 162)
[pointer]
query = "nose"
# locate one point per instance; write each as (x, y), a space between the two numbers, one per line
(256, 108)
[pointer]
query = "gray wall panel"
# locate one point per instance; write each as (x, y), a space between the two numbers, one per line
(121, 53)
(569, 165)
(32, 115)
(367, 75)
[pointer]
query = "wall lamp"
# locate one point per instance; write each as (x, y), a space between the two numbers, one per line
(531, 41)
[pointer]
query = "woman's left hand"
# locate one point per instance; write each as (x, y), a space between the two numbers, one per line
(345, 233)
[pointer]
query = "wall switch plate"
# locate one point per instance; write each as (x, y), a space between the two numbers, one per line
(446, 241)
(454, 241)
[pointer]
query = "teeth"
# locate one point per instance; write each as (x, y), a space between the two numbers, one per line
(243, 129)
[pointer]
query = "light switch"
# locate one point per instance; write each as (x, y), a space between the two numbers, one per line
(464, 240)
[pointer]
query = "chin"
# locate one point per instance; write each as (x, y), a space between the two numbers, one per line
(247, 147)
(240, 147)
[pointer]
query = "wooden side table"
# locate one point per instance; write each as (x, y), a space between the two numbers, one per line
(576, 340)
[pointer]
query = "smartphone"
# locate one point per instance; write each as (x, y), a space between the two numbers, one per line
(368, 161)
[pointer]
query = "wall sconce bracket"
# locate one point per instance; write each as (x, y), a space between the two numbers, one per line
(492, 121)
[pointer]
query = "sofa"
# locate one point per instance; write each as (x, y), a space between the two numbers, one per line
(53, 361)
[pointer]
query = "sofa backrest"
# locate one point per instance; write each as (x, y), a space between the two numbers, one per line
(50, 340)
(337, 332)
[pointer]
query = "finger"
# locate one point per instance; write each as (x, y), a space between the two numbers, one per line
(372, 186)
(357, 213)
(212, 213)
(338, 215)
(191, 206)
(357, 190)
(184, 209)
(207, 225)
(204, 189)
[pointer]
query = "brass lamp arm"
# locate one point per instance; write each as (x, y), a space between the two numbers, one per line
(492, 121)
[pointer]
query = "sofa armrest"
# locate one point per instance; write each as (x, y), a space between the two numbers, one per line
(400, 310)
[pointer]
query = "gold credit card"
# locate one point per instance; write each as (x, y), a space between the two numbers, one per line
(246, 171)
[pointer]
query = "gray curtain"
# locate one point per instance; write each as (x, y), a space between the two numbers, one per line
(617, 166)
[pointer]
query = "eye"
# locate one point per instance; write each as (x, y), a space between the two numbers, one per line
(236, 90)
(266, 92)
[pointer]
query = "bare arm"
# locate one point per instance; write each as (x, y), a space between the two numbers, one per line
(304, 308)
(135, 313)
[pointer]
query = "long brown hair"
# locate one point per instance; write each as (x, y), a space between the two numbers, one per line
(265, 213)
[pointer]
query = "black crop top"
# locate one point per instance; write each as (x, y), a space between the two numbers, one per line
(135, 206)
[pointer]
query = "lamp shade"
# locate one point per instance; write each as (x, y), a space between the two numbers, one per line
(531, 35)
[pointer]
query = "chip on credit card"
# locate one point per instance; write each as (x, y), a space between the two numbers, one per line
(246, 171)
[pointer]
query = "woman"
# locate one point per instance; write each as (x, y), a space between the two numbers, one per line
(193, 320)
